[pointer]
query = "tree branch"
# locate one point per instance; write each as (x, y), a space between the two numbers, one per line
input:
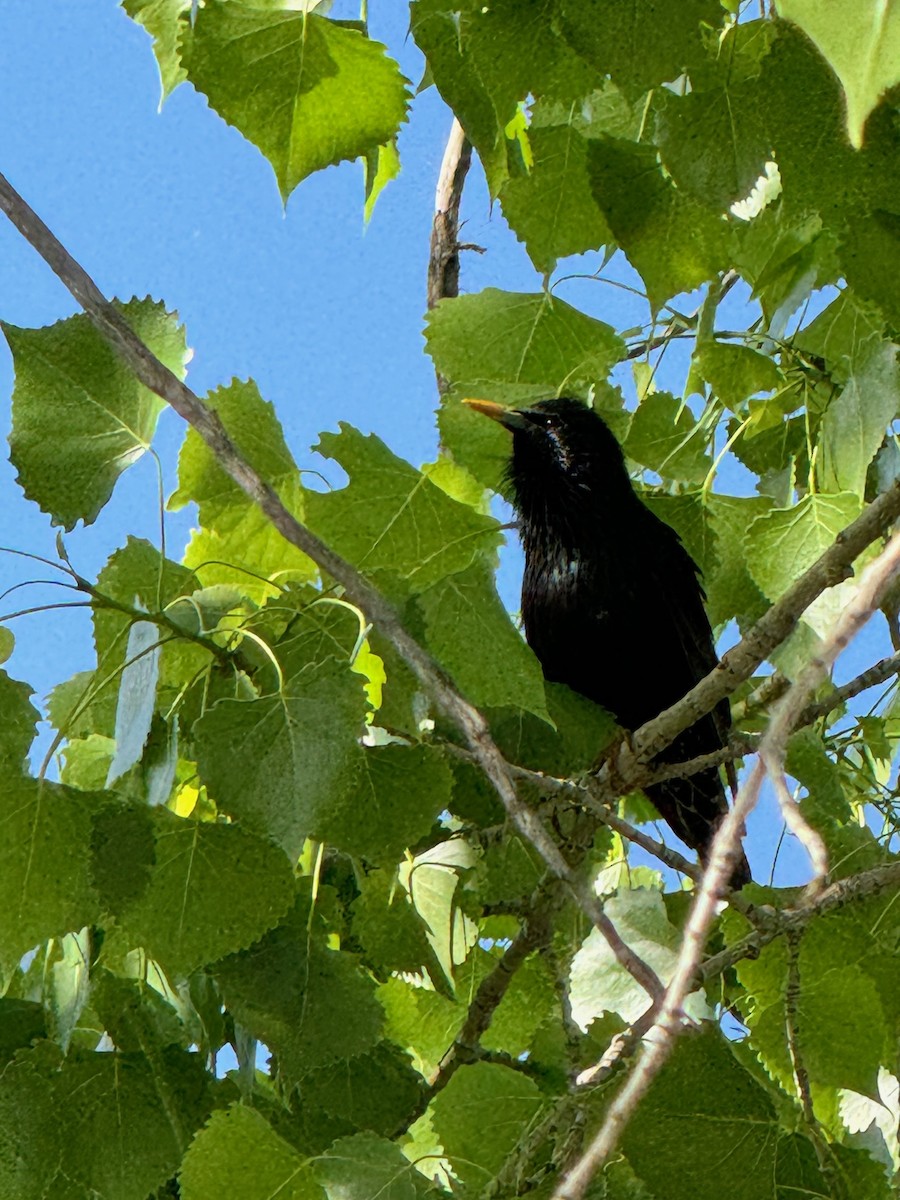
(443, 259)
(159, 379)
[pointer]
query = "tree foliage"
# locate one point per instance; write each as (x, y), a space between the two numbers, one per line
(260, 827)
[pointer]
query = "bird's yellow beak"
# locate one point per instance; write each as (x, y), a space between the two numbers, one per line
(508, 417)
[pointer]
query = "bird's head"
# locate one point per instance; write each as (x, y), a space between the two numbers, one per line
(560, 448)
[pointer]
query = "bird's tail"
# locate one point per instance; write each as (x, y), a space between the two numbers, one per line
(694, 808)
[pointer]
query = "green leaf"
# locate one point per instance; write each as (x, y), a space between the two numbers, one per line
(104, 1124)
(425, 1022)
(45, 885)
(869, 252)
(398, 794)
(633, 41)
(7, 643)
(665, 437)
(730, 590)
(731, 1119)
(162, 19)
(711, 139)
(570, 742)
(783, 543)
(598, 984)
(137, 698)
(391, 933)
(530, 1000)
(432, 879)
(18, 723)
(135, 1015)
(21, 1024)
(236, 543)
(391, 519)
(375, 1091)
(80, 417)
(281, 763)
(860, 39)
(849, 335)
(366, 1166)
(139, 578)
(382, 165)
(552, 209)
(308, 92)
(239, 1153)
(212, 889)
(736, 372)
(480, 1116)
(486, 59)
(310, 1005)
(517, 348)
(671, 241)
(470, 633)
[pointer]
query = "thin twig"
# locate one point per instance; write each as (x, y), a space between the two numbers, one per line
(443, 260)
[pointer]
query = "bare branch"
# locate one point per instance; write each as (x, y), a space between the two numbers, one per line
(160, 380)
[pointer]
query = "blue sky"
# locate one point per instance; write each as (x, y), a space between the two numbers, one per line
(326, 316)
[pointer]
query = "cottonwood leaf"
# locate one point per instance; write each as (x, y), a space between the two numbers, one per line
(235, 541)
(307, 91)
(480, 1116)
(632, 42)
(139, 577)
(710, 138)
(374, 1091)
(783, 543)
(137, 698)
(80, 416)
(665, 437)
(398, 794)
(736, 372)
(597, 982)
(18, 724)
(211, 889)
(517, 348)
(552, 209)
(391, 520)
(239, 1153)
(281, 763)
(470, 633)
(162, 19)
(850, 336)
(45, 884)
(365, 1166)
(671, 241)
(732, 1121)
(860, 39)
(487, 58)
(310, 1005)
(424, 1021)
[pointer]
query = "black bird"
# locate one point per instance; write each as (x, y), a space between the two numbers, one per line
(611, 600)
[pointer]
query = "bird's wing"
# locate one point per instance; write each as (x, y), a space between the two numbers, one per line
(691, 627)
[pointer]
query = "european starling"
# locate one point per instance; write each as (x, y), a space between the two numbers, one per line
(611, 601)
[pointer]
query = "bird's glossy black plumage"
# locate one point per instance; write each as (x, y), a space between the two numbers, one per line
(611, 601)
